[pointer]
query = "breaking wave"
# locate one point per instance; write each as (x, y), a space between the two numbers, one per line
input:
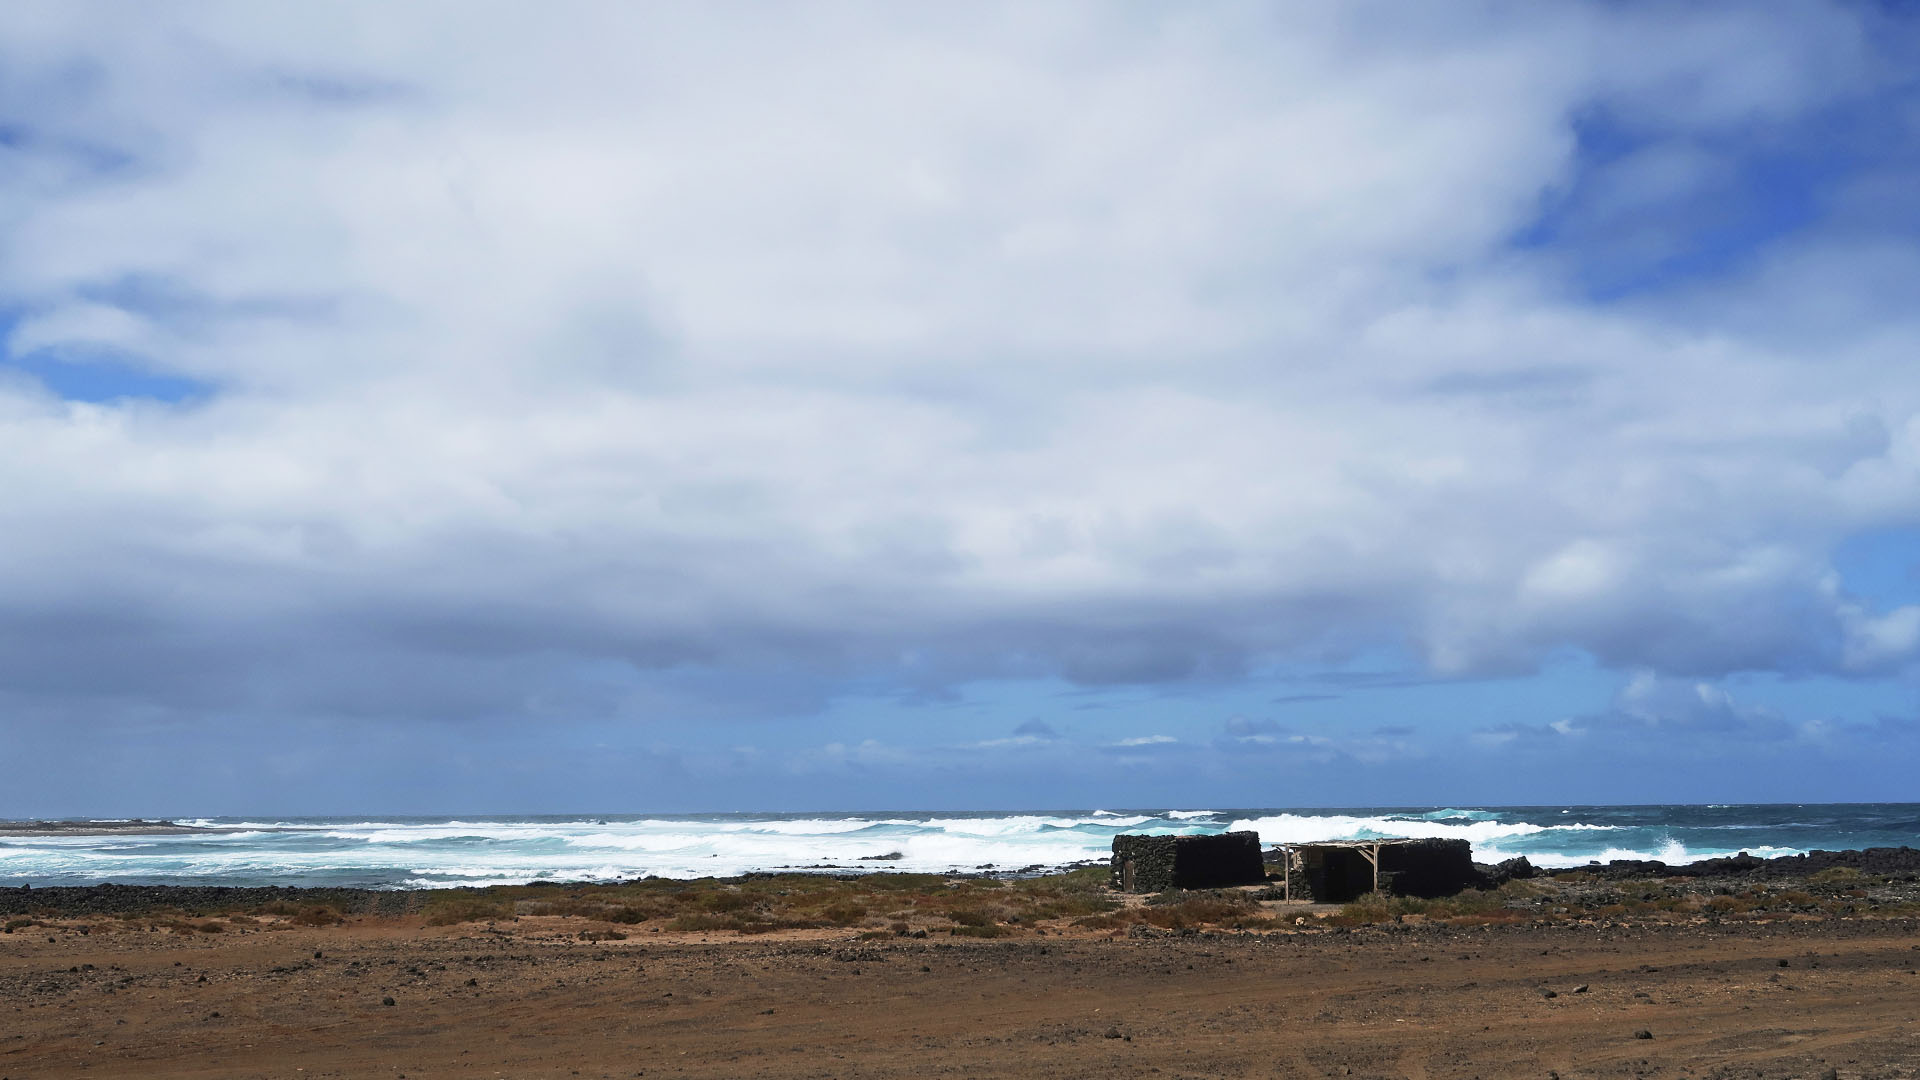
(404, 853)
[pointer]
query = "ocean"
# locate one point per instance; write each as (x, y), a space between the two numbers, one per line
(437, 852)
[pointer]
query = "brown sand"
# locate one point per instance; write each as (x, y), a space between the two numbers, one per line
(530, 999)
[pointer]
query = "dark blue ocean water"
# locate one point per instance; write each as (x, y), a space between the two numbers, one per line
(414, 852)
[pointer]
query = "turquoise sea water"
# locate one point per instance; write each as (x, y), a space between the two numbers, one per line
(415, 852)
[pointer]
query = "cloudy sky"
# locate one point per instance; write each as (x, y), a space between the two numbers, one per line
(464, 407)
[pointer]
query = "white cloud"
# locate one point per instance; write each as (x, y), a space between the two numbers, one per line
(1876, 642)
(1125, 345)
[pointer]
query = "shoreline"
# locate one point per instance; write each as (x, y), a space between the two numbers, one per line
(1880, 876)
(401, 852)
(120, 827)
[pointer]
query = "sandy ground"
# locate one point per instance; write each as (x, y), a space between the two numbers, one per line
(529, 999)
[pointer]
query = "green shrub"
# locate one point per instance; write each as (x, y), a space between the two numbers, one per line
(317, 915)
(447, 912)
(727, 901)
(1195, 909)
(844, 913)
(698, 921)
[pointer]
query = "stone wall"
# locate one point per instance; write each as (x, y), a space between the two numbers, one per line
(1428, 868)
(1159, 863)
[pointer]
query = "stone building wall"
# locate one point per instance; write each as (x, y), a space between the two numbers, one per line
(1159, 863)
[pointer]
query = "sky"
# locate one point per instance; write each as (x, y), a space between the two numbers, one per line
(468, 407)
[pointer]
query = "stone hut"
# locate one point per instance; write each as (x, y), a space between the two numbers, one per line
(1335, 871)
(1158, 863)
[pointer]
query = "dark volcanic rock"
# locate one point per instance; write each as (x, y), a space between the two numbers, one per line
(80, 900)
(1516, 869)
(1879, 862)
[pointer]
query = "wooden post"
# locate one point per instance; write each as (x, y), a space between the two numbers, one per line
(1371, 853)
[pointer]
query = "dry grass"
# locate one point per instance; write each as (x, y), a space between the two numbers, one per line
(451, 910)
(317, 915)
(1186, 910)
(903, 903)
(883, 905)
(1474, 907)
(877, 904)
(1584, 896)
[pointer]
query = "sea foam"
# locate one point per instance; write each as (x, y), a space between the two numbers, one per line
(428, 852)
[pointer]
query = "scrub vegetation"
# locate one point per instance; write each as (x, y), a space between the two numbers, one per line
(885, 906)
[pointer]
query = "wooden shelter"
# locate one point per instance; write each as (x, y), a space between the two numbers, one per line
(1335, 871)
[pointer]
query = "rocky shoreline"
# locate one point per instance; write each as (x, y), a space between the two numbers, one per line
(84, 901)
(1877, 862)
(121, 827)
(1892, 866)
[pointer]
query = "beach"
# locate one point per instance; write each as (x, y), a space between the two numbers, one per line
(1581, 975)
